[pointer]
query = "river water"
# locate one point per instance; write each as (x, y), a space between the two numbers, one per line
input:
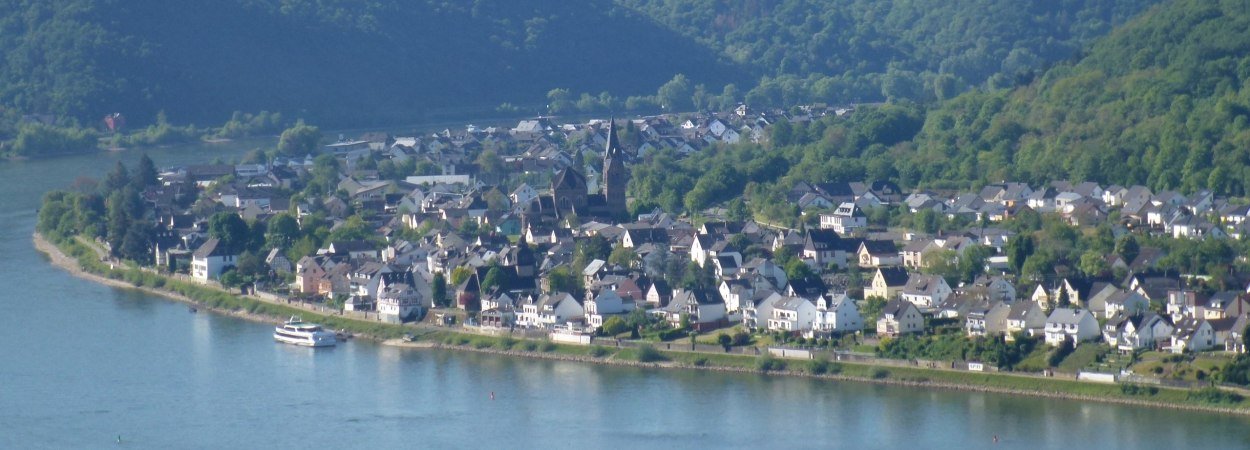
(82, 365)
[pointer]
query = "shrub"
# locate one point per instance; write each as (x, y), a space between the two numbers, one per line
(546, 347)
(1157, 370)
(880, 373)
(741, 338)
(1214, 395)
(530, 346)
(699, 361)
(818, 366)
(598, 351)
(1134, 389)
(647, 353)
(507, 343)
(767, 363)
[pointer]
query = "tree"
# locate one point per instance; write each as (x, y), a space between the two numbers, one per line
(495, 277)
(559, 101)
(972, 264)
(250, 265)
(145, 174)
(438, 290)
(282, 231)
(564, 279)
(136, 244)
(615, 325)
(1019, 248)
(117, 179)
(490, 162)
(232, 279)
(300, 139)
(1127, 248)
(231, 230)
(460, 274)
(590, 249)
(675, 95)
(355, 228)
(118, 222)
(1094, 265)
(872, 309)
(725, 341)
(622, 256)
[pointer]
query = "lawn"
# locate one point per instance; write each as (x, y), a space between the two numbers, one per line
(1082, 357)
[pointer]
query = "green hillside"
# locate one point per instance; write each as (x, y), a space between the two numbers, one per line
(844, 50)
(1163, 101)
(338, 62)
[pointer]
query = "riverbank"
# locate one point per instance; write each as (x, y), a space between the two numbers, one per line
(78, 260)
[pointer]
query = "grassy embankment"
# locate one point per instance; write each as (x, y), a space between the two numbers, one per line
(219, 300)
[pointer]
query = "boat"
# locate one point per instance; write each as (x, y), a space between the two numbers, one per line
(296, 331)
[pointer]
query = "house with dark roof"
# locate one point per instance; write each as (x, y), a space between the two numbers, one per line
(887, 282)
(899, 317)
(704, 309)
(210, 260)
(878, 253)
(1070, 324)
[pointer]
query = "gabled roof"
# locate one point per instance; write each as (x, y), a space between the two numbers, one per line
(894, 276)
(211, 247)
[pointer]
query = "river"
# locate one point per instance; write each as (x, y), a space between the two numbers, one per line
(83, 365)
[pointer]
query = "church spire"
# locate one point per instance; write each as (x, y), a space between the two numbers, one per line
(613, 147)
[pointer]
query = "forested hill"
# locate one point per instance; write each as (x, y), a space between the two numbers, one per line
(818, 50)
(339, 62)
(1163, 101)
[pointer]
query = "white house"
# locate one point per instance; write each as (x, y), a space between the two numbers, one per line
(837, 314)
(399, 302)
(1027, 318)
(987, 320)
(846, 219)
(210, 260)
(1070, 324)
(1193, 334)
(608, 303)
(899, 317)
(547, 311)
(925, 291)
(792, 314)
(704, 309)
(1128, 333)
(756, 315)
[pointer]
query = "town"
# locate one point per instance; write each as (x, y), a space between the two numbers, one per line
(530, 230)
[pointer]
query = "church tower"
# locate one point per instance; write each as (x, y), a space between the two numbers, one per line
(615, 176)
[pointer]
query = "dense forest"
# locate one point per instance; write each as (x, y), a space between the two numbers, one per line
(353, 62)
(1163, 101)
(335, 62)
(866, 50)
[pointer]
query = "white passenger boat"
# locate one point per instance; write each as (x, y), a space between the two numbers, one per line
(298, 332)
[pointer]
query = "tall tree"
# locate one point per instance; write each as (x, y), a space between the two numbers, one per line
(145, 174)
(231, 230)
(117, 179)
(300, 139)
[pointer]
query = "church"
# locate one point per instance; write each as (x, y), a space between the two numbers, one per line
(569, 192)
